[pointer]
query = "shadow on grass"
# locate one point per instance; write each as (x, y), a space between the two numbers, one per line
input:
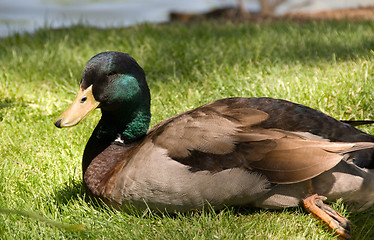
(8, 103)
(209, 43)
(72, 191)
(248, 44)
(363, 225)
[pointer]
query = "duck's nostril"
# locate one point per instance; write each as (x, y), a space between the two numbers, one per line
(83, 99)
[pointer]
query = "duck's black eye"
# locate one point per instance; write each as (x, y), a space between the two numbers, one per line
(83, 99)
(111, 73)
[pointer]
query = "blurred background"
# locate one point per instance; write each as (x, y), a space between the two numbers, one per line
(17, 16)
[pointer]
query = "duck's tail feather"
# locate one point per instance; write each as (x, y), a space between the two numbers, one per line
(358, 122)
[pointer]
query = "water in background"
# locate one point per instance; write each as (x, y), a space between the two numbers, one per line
(28, 15)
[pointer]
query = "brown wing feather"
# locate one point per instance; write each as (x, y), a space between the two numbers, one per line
(226, 134)
(213, 128)
(295, 160)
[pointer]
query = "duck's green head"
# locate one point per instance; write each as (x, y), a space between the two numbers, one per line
(114, 82)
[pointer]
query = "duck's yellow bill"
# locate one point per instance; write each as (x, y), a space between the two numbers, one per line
(83, 104)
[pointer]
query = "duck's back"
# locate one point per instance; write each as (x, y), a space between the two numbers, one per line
(296, 117)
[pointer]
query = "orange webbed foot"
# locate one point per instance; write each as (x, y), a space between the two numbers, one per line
(341, 225)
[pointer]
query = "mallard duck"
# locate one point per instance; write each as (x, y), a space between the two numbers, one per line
(260, 152)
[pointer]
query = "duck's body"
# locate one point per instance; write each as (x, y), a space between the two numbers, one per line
(239, 151)
(157, 171)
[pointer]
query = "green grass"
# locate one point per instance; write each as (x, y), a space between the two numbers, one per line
(326, 65)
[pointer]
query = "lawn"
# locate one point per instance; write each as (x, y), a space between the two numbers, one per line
(325, 65)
